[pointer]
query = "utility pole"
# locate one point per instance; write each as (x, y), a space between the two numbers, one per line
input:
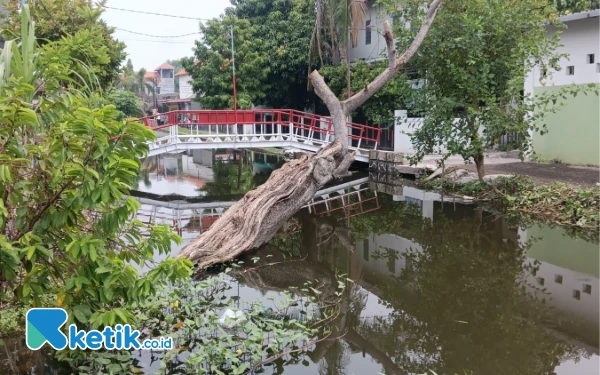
(233, 63)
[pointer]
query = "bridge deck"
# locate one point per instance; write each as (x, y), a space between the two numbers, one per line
(179, 131)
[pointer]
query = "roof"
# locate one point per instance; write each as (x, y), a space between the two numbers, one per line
(165, 66)
(151, 75)
(182, 72)
(167, 101)
(580, 15)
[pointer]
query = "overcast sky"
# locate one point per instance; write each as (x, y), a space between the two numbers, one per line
(148, 52)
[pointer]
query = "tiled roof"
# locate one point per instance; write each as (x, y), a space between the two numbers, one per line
(182, 72)
(165, 66)
(151, 75)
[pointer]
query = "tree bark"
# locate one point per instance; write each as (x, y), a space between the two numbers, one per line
(479, 163)
(254, 220)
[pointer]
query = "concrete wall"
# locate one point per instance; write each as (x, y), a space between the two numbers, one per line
(203, 157)
(185, 87)
(376, 50)
(167, 85)
(568, 270)
(572, 132)
(405, 125)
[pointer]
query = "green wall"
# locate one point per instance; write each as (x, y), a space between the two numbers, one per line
(555, 246)
(573, 132)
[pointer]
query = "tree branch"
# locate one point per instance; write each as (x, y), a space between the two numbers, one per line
(394, 65)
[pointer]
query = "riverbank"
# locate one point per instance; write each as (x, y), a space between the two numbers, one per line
(558, 203)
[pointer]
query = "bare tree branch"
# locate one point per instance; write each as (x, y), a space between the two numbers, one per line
(362, 96)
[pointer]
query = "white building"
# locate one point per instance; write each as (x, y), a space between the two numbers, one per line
(370, 45)
(185, 85)
(573, 131)
(166, 82)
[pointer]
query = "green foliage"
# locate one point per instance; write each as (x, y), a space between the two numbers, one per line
(562, 203)
(475, 60)
(65, 215)
(127, 102)
(213, 71)
(574, 6)
(471, 189)
(270, 55)
(73, 30)
(189, 311)
(557, 203)
(397, 93)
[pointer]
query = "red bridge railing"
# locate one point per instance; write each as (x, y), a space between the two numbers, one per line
(300, 121)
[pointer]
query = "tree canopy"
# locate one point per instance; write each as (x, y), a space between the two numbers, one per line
(74, 30)
(475, 61)
(271, 40)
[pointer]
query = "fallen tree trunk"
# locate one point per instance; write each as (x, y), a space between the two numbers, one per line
(254, 220)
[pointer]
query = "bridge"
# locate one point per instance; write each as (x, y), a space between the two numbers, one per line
(179, 131)
(350, 199)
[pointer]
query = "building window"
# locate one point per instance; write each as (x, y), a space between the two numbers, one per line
(597, 67)
(167, 73)
(591, 58)
(570, 70)
(540, 280)
(368, 32)
(366, 249)
(576, 294)
(558, 279)
(587, 288)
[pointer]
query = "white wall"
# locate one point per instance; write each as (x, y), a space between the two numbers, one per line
(580, 38)
(373, 51)
(560, 286)
(185, 87)
(372, 250)
(405, 125)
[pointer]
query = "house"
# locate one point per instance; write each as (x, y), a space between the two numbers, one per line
(166, 75)
(184, 99)
(573, 131)
(185, 85)
(370, 46)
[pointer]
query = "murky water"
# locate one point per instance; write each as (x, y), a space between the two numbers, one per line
(438, 286)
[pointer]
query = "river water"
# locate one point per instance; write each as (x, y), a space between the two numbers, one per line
(438, 285)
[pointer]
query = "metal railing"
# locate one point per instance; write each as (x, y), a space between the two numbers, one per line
(188, 125)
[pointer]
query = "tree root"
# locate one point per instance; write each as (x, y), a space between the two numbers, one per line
(255, 219)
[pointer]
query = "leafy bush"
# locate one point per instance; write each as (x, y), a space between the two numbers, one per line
(65, 215)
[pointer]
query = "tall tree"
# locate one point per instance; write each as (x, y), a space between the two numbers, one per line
(475, 61)
(337, 22)
(77, 25)
(212, 70)
(279, 30)
(257, 217)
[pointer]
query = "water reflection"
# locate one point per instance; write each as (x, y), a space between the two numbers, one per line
(465, 291)
(437, 285)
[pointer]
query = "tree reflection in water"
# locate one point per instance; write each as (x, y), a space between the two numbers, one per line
(458, 295)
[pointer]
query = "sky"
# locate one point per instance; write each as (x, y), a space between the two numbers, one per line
(149, 52)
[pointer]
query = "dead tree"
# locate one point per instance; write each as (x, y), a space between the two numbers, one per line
(253, 220)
